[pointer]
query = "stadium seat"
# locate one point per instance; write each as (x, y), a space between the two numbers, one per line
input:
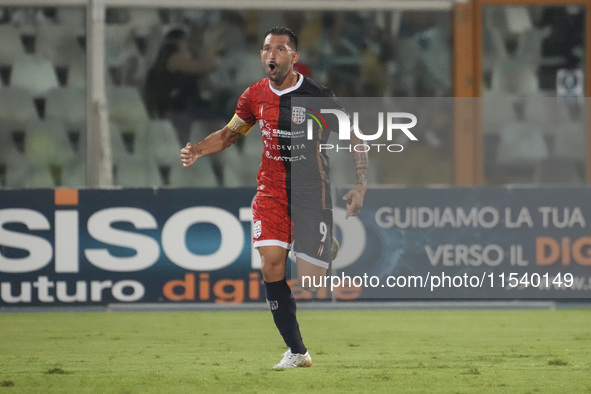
(131, 168)
(5, 136)
(200, 174)
(496, 111)
(235, 167)
(121, 51)
(67, 105)
(126, 107)
(8, 147)
(495, 19)
(17, 107)
(518, 19)
(557, 171)
(543, 112)
(232, 179)
(14, 172)
(134, 171)
(22, 173)
(34, 73)
(521, 147)
(72, 17)
(521, 143)
(570, 141)
(118, 148)
(74, 174)
(252, 149)
(12, 46)
(158, 139)
(142, 20)
(47, 142)
(27, 19)
(76, 75)
(529, 46)
(118, 43)
(58, 44)
(512, 77)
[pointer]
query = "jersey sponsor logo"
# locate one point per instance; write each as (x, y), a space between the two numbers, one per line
(284, 147)
(265, 128)
(298, 115)
(258, 229)
(270, 132)
(268, 155)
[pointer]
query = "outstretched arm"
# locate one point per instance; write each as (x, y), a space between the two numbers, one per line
(213, 143)
(356, 195)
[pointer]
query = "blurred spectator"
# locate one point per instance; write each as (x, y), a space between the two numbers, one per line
(230, 37)
(564, 46)
(511, 73)
(171, 85)
(303, 69)
(373, 72)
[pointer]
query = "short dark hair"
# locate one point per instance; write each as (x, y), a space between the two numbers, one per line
(284, 31)
(175, 35)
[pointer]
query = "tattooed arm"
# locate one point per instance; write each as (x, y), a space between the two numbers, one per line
(356, 195)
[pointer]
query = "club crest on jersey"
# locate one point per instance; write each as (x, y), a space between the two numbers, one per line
(273, 305)
(258, 229)
(298, 115)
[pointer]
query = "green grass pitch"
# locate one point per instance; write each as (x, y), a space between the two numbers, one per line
(446, 351)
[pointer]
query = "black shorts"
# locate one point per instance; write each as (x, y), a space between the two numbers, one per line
(307, 231)
(312, 230)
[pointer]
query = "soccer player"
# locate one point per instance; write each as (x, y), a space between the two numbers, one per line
(292, 208)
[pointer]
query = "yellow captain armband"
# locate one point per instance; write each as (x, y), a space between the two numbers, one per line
(239, 126)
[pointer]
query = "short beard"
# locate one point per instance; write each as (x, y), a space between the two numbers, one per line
(278, 77)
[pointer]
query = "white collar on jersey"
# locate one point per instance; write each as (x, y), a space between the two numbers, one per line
(290, 89)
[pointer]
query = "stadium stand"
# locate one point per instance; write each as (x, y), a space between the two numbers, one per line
(122, 55)
(557, 171)
(74, 17)
(133, 171)
(126, 107)
(11, 49)
(17, 107)
(68, 105)
(47, 142)
(58, 44)
(143, 20)
(130, 168)
(23, 173)
(75, 76)
(201, 175)
(34, 73)
(156, 139)
(43, 52)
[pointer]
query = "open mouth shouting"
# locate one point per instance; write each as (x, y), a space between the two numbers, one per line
(271, 68)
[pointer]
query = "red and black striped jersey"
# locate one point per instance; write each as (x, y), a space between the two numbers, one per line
(291, 162)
